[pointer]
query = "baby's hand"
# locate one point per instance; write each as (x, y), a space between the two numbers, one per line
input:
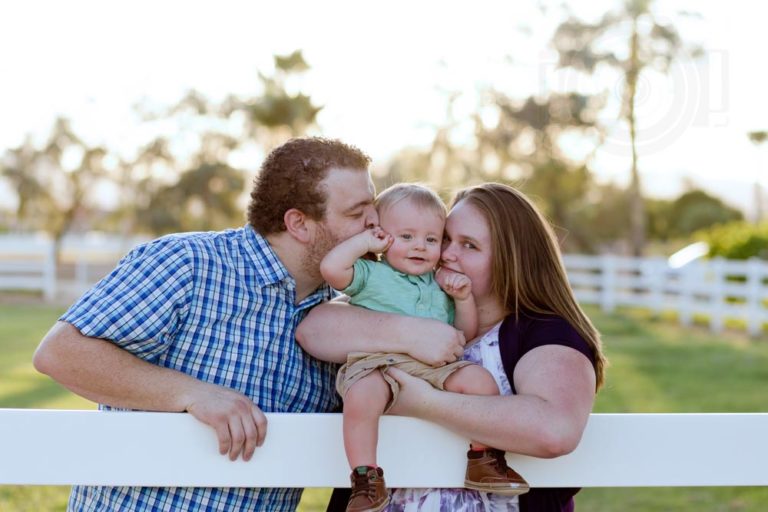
(378, 240)
(454, 284)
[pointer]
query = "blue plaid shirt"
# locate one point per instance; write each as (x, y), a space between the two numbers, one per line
(218, 306)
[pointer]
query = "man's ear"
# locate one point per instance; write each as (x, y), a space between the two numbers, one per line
(298, 225)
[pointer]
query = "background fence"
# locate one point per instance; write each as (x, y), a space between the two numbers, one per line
(717, 291)
(28, 262)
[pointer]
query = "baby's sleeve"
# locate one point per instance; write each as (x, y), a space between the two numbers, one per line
(361, 272)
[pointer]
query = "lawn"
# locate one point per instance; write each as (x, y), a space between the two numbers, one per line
(656, 366)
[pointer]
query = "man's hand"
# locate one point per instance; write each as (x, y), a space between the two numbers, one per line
(240, 426)
(457, 285)
(435, 343)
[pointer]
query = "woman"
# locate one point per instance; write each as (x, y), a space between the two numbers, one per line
(542, 349)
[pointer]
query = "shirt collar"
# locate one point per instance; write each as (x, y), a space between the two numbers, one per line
(270, 270)
(425, 278)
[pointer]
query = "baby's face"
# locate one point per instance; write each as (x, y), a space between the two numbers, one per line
(417, 233)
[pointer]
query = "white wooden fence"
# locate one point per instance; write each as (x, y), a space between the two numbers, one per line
(306, 450)
(714, 290)
(717, 290)
(28, 262)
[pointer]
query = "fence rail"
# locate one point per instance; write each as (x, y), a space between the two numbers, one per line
(47, 447)
(718, 290)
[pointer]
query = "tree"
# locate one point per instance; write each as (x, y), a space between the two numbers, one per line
(517, 142)
(649, 44)
(695, 210)
(138, 181)
(204, 199)
(56, 183)
(187, 179)
(276, 114)
(19, 166)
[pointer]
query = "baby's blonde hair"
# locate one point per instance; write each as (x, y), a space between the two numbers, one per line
(416, 193)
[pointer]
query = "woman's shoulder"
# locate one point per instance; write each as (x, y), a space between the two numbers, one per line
(527, 330)
(529, 324)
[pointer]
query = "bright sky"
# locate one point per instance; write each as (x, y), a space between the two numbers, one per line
(382, 71)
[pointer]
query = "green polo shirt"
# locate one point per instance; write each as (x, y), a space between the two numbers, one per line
(379, 287)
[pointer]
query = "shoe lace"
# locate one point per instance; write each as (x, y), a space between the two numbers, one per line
(364, 486)
(500, 459)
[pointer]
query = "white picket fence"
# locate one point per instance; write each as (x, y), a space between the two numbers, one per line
(715, 290)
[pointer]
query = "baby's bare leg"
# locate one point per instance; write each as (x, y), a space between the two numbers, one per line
(472, 380)
(364, 403)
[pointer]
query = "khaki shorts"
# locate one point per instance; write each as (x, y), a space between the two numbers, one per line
(360, 364)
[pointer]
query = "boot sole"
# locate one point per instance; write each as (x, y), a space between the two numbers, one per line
(510, 490)
(379, 508)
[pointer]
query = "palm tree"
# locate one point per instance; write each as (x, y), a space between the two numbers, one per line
(649, 43)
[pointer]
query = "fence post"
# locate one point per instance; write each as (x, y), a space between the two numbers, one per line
(686, 293)
(655, 269)
(81, 271)
(717, 297)
(49, 271)
(608, 283)
(754, 299)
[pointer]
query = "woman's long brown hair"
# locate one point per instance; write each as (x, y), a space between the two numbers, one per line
(526, 265)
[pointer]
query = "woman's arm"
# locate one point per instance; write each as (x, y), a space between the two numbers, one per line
(556, 392)
(334, 329)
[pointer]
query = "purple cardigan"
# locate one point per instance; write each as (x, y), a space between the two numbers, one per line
(516, 338)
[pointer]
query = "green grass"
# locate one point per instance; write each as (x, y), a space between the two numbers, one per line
(21, 328)
(656, 366)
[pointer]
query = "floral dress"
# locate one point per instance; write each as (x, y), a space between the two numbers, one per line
(484, 352)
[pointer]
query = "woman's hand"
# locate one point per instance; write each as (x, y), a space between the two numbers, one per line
(415, 394)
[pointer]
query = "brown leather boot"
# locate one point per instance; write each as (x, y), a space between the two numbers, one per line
(487, 471)
(369, 492)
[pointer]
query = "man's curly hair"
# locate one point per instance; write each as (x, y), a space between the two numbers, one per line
(290, 178)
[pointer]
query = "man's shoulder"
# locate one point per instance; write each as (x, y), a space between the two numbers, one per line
(189, 251)
(200, 243)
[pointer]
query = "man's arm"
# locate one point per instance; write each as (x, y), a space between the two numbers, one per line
(333, 330)
(103, 372)
(546, 418)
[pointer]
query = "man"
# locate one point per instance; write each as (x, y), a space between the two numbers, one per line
(205, 322)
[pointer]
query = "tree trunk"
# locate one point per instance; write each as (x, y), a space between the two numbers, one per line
(636, 203)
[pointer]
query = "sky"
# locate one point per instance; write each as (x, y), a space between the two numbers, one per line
(383, 72)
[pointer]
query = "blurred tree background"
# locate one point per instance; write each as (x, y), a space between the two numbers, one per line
(190, 175)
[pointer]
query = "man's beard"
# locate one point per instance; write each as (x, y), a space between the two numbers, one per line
(324, 242)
